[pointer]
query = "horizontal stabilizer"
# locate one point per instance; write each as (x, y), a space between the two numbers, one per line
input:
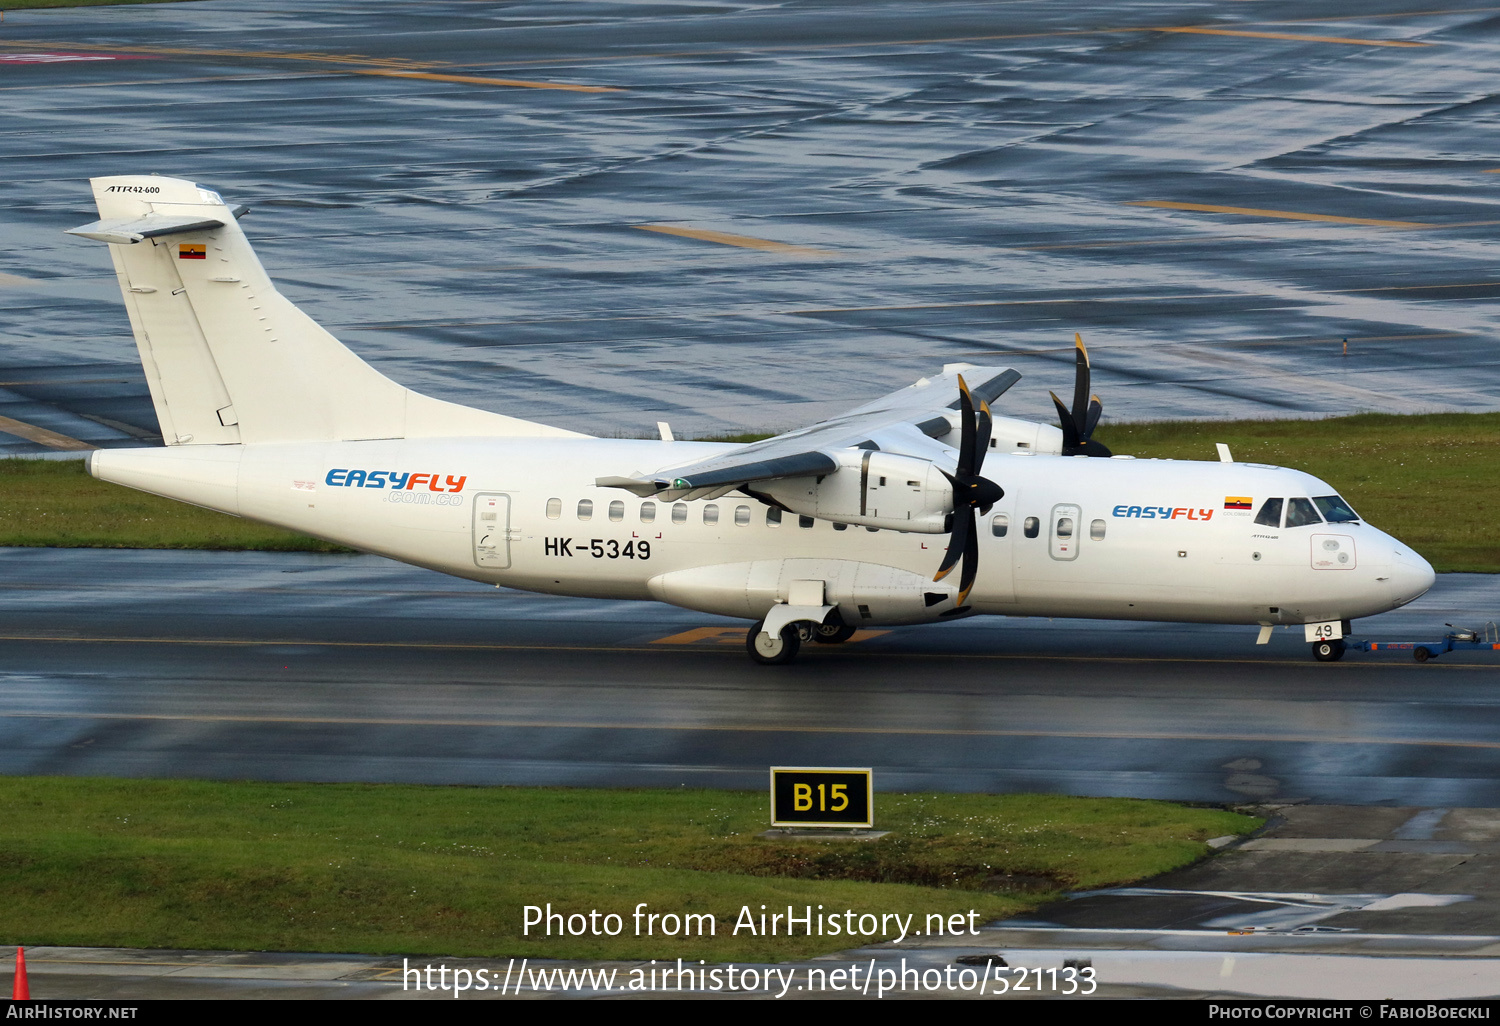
(126, 231)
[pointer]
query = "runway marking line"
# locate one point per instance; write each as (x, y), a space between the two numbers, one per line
(727, 239)
(750, 728)
(40, 435)
(434, 646)
(736, 636)
(478, 80)
(1290, 215)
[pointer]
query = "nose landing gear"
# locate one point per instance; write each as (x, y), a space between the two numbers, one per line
(1328, 651)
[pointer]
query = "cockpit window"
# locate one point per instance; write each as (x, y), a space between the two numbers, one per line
(1270, 513)
(1301, 512)
(1335, 510)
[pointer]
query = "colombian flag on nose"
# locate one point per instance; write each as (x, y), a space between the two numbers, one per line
(1237, 502)
(192, 251)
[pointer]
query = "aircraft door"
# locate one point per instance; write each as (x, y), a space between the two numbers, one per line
(492, 531)
(1065, 531)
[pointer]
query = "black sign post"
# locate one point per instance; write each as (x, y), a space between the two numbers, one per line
(815, 796)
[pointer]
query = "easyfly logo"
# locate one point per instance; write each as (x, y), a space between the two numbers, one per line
(1163, 513)
(395, 479)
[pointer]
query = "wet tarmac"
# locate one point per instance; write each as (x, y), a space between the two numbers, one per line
(733, 216)
(308, 667)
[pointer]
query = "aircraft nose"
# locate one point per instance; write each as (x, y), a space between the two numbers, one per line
(1411, 575)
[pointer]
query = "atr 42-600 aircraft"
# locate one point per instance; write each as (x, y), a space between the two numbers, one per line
(856, 521)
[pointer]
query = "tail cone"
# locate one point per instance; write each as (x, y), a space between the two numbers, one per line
(21, 992)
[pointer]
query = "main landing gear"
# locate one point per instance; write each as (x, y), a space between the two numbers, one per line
(769, 651)
(1328, 651)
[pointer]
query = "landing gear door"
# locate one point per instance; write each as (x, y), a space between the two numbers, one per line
(492, 531)
(1063, 531)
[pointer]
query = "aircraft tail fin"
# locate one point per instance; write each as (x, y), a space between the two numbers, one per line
(228, 358)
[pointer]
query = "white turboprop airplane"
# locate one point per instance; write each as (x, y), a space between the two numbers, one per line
(855, 521)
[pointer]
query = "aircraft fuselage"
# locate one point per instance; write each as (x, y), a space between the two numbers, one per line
(1072, 537)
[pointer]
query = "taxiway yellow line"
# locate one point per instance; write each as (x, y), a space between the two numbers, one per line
(751, 728)
(435, 646)
(1290, 36)
(1004, 37)
(42, 436)
(736, 635)
(184, 51)
(479, 80)
(727, 239)
(1290, 215)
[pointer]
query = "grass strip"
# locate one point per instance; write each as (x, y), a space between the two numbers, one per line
(55, 504)
(28, 5)
(403, 869)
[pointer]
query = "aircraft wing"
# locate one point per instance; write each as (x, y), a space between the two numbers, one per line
(909, 422)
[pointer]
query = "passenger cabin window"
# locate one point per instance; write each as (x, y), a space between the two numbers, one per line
(585, 509)
(554, 509)
(804, 521)
(1096, 530)
(773, 516)
(711, 513)
(679, 512)
(999, 524)
(1335, 510)
(741, 516)
(1065, 527)
(1270, 513)
(1301, 513)
(616, 511)
(1031, 527)
(648, 512)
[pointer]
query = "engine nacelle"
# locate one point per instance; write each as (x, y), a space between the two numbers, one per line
(872, 489)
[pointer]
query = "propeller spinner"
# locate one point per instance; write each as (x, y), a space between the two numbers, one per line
(1078, 425)
(972, 495)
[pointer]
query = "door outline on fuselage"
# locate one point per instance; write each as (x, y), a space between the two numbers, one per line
(1059, 547)
(491, 537)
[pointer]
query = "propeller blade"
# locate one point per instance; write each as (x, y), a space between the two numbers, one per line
(963, 530)
(985, 422)
(971, 561)
(1065, 421)
(1096, 409)
(966, 430)
(1080, 384)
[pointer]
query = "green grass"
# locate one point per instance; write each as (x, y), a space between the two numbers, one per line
(54, 503)
(406, 869)
(1430, 480)
(26, 5)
